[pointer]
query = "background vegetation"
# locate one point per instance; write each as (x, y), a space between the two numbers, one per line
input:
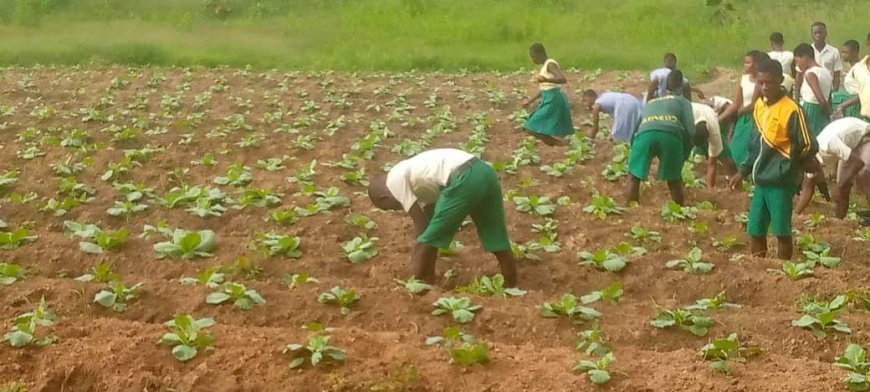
(406, 34)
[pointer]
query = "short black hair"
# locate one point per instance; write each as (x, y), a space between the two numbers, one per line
(676, 76)
(769, 66)
(804, 50)
(776, 37)
(854, 45)
(819, 24)
(537, 47)
(757, 56)
(590, 93)
(670, 56)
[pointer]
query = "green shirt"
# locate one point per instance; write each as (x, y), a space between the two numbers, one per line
(670, 113)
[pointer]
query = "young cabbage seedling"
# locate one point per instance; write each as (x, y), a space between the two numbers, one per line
(361, 248)
(211, 277)
(603, 260)
(317, 349)
(464, 349)
(794, 271)
(462, 309)
(187, 245)
(569, 307)
(854, 359)
(15, 238)
(296, 280)
(414, 285)
(100, 273)
(596, 370)
(11, 273)
(603, 206)
(341, 297)
(24, 327)
(360, 221)
(729, 349)
(692, 263)
(821, 317)
(117, 296)
(694, 321)
(243, 297)
(274, 243)
(610, 293)
(486, 286)
(673, 212)
(716, 303)
(188, 336)
(592, 341)
(540, 205)
(645, 235)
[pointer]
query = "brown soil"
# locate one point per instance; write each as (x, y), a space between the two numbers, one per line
(101, 350)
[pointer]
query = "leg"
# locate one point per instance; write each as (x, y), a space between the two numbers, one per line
(633, 188)
(729, 165)
(548, 140)
(841, 198)
(784, 248)
(508, 266)
(423, 262)
(806, 196)
(758, 246)
(676, 189)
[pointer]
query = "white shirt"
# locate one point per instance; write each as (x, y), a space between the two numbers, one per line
(829, 57)
(706, 114)
(718, 102)
(826, 83)
(785, 58)
(419, 179)
(545, 72)
(840, 137)
(748, 87)
(857, 74)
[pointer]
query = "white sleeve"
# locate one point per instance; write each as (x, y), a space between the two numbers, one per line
(399, 185)
(714, 140)
(839, 149)
(838, 63)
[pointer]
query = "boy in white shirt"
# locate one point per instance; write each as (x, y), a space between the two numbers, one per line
(784, 57)
(826, 56)
(438, 189)
(709, 142)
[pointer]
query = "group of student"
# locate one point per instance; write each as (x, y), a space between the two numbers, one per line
(763, 134)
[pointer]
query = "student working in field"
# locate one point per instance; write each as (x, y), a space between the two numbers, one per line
(851, 57)
(658, 82)
(438, 189)
(624, 110)
(858, 75)
(815, 90)
(827, 56)
(744, 99)
(780, 149)
(784, 57)
(551, 121)
(844, 151)
(665, 132)
(710, 143)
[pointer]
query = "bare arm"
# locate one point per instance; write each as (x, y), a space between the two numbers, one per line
(808, 187)
(596, 109)
(558, 76)
(651, 89)
(813, 81)
(532, 100)
(711, 172)
(798, 83)
(424, 257)
(749, 107)
(421, 217)
(837, 75)
(733, 108)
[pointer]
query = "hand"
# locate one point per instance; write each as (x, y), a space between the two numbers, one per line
(837, 113)
(735, 182)
(541, 78)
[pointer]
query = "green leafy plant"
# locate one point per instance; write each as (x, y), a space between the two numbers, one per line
(15, 238)
(494, 286)
(344, 298)
(11, 273)
(414, 285)
(596, 370)
(794, 271)
(361, 248)
(694, 321)
(330, 198)
(729, 349)
(569, 307)
(540, 205)
(603, 206)
(360, 221)
(726, 243)
(822, 317)
(24, 327)
(815, 220)
(258, 197)
(673, 212)
(592, 341)
(610, 293)
(274, 243)
(117, 296)
(237, 175)
(103, 240)
(854, 359)
(317, 349)
(464, 349)
(186, 245)
(645, 235)
(719, 302)
(298, 279)
(603, 260)
(212, 277)
(100, 273)
(188, 335)
(692, 263)
(242, 297)
(462, 309)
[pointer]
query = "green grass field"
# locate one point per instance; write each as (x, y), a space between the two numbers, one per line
(407, 34)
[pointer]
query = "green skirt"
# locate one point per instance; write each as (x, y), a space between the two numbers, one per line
(553, 115)
(742, 136)
(852, 111)
(817, 119)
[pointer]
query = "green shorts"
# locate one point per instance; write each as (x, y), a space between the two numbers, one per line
(771, 208)
(666, 146)
(476, 192)
(726, 149)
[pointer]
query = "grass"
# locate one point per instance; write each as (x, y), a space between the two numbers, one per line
(406, 34)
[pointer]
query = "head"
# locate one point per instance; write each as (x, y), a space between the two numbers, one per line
(776, 40)
(670, 60)
(675, 81)
(538, 53)
(820, 33)
(752, 59)
(769, 78)
(804, 56)
(701, 135)
(850, 51)
(380, 195)
(589, 97)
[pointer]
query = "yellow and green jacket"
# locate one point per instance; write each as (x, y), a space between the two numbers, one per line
(780, 144)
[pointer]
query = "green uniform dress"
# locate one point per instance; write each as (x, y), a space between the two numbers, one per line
(553, 115)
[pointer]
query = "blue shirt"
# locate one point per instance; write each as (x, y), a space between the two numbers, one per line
(661, 76)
